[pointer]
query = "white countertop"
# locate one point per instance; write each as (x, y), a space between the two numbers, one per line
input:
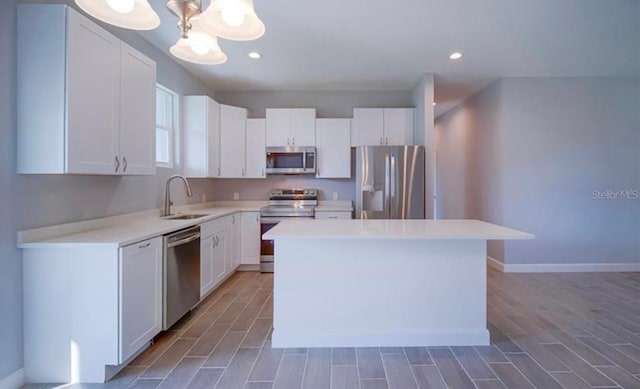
(393, 229)
(122, 230)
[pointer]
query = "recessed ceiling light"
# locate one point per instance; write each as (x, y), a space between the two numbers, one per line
(456, 55)
(255, 55)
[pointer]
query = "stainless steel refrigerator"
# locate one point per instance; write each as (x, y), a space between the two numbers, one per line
(390, 182)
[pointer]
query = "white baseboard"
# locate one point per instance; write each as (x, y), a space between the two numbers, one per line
(13, 381)
(411, 338)
(494, 263)
(562, 267)
(248, 268)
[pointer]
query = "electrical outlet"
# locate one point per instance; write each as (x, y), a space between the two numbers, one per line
(335, 195)
(236, 196)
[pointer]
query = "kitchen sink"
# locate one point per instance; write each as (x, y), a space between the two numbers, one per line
(184, 217)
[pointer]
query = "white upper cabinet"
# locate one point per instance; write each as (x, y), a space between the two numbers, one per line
(255, 150)
(220, 142)
(398, 126)
(278, 127)
(201, 137)
(303, 127)
(137, 112)
(333, 144)
(368, 127)
(383, 126)
(85, 100)
(291, 127)
(233, 122)
(93, 87)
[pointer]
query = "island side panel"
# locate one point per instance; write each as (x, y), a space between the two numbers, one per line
(340, 293)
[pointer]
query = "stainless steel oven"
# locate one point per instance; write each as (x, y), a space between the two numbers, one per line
(283, 204)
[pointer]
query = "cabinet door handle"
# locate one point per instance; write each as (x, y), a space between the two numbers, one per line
(381, 141)
(293, 141)
(124, 169)
(117, 164)
(287, 141)
(258, 217)
(144, 246)
(218, 172)
(242, 172)
(386, 141)
(332, 217)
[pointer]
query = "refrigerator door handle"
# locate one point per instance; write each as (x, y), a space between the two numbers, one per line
(393, 185)
(387, 184)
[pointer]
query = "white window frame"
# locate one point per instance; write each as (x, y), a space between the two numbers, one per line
(174, 131)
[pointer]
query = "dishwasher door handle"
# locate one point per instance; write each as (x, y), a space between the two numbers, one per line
(184, 241)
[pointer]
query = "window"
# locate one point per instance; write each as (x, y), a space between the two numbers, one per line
(166, 126)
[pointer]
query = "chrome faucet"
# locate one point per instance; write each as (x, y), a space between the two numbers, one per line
(167, 194)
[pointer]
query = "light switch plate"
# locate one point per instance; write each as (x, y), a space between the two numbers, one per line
(335, 195)
(236, 196)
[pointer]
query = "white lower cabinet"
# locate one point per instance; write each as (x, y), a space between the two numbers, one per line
(140, 295)
(250, 238)
(214, 253)
(236, 239)
(87, 306)
(102, 304)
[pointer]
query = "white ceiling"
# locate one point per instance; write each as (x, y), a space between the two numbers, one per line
(388, 44)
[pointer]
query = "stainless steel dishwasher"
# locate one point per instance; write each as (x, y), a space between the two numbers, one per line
(181, 274)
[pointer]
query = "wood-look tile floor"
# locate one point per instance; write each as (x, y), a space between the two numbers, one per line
(547, 331)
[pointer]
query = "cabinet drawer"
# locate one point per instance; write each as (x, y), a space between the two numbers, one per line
(333, 215)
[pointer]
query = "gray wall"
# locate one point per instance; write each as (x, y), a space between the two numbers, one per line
(35, 201)
(10, 265)
(529, 152)
(564, 139)
(259, 189)
(469, 179)
(328, 104)
(423, 97)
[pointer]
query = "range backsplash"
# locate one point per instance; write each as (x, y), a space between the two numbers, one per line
(256, 189)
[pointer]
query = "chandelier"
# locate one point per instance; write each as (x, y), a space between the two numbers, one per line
(199, 30)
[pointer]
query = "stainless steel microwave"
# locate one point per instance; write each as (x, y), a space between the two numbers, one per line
(291, 160)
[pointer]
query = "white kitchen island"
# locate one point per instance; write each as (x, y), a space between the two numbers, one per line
(343, 283)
